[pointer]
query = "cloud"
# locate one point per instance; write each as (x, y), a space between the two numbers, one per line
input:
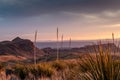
(7, 1)
(104, 17)
(114, 26)
(26, 8)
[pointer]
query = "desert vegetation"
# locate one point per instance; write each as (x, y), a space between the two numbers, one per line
(101, 65)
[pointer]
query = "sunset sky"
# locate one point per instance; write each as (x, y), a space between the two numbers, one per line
(78, 19)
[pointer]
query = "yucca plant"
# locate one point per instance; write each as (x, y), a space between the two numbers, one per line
(45, 70)
(21, 71)
(101, 67)
(41, 70)
(2, 67)
(59, 65)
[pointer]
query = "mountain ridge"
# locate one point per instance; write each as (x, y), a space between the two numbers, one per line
(19, 47)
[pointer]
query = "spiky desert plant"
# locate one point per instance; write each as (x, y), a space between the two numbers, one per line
(45, 70)
(102, 67)
(21, 71)
(2, 67)
(59, 65)
(41, 70)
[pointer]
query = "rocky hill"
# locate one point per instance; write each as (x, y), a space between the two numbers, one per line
(19, 47)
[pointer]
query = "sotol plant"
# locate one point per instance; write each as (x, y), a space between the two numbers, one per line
(101, 67)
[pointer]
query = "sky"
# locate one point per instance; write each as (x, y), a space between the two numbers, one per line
(76, 19)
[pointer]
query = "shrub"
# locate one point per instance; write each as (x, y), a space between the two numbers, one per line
(102, 67)
(42, 70)
(59, 65)
(45, 70)
(21, 71)
(2, 67)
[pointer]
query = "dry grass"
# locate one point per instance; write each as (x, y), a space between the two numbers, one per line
(5, 58)
(101, 67)
(96, 66)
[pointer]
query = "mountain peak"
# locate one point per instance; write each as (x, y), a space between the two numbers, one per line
(19, 47)
(17, 39)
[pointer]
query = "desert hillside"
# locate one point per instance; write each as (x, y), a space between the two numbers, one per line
(18, 48)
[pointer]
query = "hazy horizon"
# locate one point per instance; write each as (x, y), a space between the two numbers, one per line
(65, 40)
(76, 19)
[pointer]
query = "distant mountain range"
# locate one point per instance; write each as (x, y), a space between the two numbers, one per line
(75, 43)
(86, 49)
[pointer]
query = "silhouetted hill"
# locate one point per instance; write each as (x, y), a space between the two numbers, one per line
(94, 48)
(19, 47)
(89, 48)
(66, 53)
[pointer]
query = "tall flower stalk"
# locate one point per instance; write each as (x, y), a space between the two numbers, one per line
(35, 38)
(61, 42)
(57, 44)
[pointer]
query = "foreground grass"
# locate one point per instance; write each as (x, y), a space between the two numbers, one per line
(102, 68)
